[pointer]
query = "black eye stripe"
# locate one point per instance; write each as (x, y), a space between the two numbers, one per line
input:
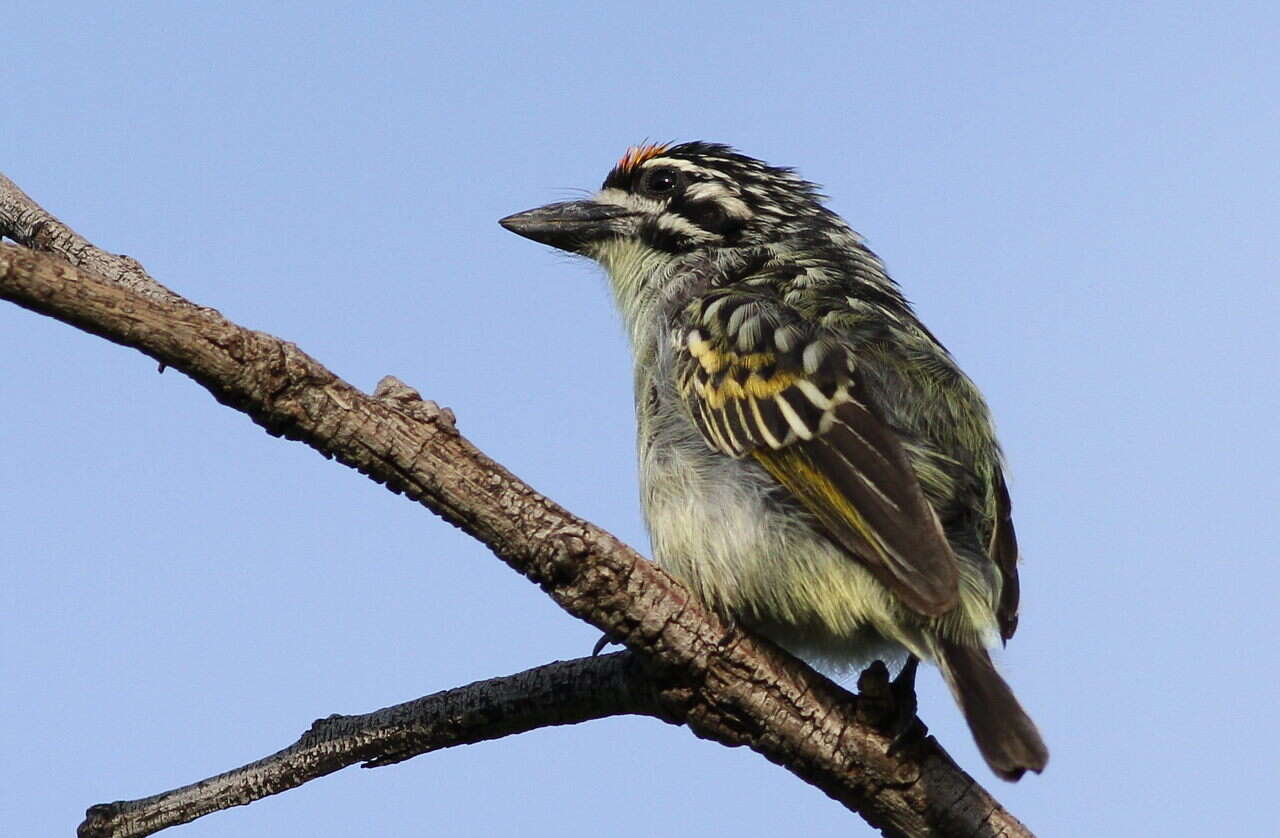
(708, 214)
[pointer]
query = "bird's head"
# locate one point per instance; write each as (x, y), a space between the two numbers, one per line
(677, 199)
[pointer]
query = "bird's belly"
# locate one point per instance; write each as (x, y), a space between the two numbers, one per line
(726, 529)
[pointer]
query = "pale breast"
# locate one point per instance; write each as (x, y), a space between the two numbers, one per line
(724, 527)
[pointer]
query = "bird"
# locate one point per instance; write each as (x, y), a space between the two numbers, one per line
(814, 464)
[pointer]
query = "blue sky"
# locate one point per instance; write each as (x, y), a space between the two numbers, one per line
(1081, 199)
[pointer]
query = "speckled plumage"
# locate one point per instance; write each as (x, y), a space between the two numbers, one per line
(813, 462)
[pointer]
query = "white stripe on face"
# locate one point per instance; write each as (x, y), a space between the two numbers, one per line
(719, 192)
(682, 165)
(622, 198)
(672, 223)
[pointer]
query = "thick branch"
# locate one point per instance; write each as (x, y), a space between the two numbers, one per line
(561, 693)
(726, 685)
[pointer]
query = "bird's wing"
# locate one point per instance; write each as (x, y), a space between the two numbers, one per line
(761, 381)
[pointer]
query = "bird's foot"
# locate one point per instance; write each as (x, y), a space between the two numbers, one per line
(891, 705)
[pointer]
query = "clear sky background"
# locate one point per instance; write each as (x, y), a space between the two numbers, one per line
(1081, 198)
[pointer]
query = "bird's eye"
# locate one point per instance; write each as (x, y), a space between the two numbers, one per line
(661, 182)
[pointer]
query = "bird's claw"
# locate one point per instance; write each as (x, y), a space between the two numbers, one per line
(891, 705)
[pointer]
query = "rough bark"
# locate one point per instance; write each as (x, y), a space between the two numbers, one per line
(560, 693)
(726, 685)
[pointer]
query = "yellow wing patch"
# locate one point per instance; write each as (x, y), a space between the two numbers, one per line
(756, 385)
(814, 488)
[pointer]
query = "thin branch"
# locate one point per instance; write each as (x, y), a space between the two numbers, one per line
(30, 224)
(560, 693)
(724, 684)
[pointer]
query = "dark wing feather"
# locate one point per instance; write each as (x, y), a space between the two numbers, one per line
(1004, 552)
(797, 405)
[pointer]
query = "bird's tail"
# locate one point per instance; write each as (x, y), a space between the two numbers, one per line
(1005, 734)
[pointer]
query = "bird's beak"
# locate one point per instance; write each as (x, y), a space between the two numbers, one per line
(571, 225)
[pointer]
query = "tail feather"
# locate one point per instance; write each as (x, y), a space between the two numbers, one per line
(1005, 734)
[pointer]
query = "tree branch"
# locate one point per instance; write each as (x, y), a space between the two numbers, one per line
(28, 223)
(725, 684)
(560, 693)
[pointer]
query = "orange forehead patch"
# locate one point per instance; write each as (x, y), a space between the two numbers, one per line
(637, 154)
